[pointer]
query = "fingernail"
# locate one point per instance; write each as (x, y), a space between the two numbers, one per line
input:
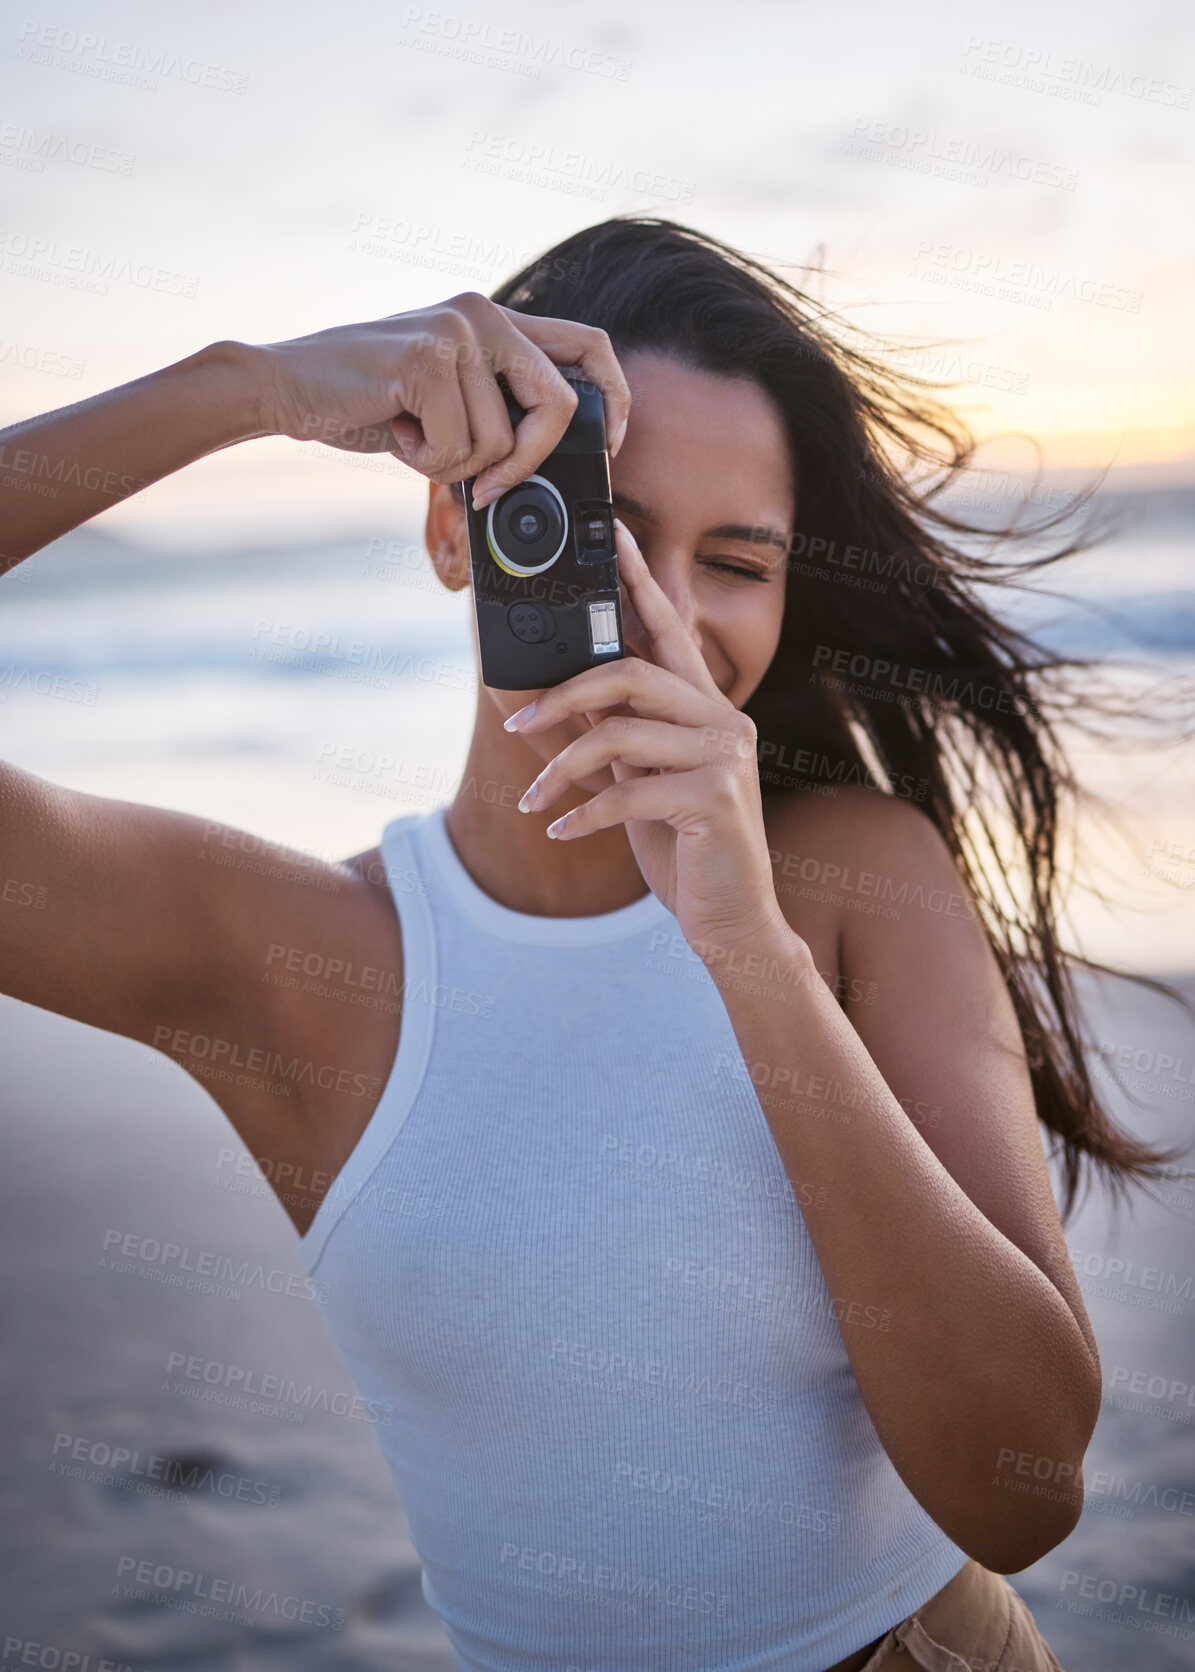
(554, 827)
(619, 433)
(516, 719)
(485, 497)
(529, 796)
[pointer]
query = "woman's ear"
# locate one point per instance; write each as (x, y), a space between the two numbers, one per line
(446, 535)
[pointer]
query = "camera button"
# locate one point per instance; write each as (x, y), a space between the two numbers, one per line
(530, 622)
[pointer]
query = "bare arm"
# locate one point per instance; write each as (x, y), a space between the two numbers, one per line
(131, 924)
(420, 385)
(99, 451)
(938, 1239)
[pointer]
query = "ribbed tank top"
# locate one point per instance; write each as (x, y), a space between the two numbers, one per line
(574, 1286)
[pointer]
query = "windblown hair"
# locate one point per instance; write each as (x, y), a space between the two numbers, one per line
(879, 579)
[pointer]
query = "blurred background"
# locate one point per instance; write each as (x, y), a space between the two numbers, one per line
(260, 640)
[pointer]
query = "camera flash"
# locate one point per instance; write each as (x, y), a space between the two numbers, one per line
(603, 628)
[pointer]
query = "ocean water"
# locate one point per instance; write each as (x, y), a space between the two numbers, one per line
(310, 695)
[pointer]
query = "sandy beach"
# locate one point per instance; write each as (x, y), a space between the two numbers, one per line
(190, 1480)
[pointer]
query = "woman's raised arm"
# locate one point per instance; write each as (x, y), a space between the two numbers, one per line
(122, 916)
(420, 385)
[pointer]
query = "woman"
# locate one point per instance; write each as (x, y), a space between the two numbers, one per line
(701, 1233)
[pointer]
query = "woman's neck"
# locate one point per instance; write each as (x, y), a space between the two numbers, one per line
(508, 854)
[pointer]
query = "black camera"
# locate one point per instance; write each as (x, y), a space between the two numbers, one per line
(545, 568)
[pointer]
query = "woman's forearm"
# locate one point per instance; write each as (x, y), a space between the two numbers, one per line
(963, 1350)
(421, 385)
(58, 470)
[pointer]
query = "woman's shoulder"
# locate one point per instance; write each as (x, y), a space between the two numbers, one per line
(855, 855)
(814, 832)
(855, 807)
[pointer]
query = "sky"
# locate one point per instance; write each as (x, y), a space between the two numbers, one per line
(1012, 181)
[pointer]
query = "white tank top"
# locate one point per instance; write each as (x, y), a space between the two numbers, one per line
(566, 1262)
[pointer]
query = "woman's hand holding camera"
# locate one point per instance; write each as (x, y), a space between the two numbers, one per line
(686, 774)
(419, 385)
(422, 386)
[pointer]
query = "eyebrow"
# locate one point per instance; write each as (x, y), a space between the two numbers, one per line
(750, 534)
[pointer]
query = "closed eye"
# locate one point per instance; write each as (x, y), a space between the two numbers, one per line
(735, 569)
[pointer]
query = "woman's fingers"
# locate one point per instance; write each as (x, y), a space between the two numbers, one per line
(672, 796)
(625, 738)
(445, 439)
(465, 426)
(490, 428)
(585, 346)
(423, 384)
(548, 402)
(527, 352)
(654, 692)
(672, 644)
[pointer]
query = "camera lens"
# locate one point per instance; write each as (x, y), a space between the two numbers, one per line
(526, 528)
(529, 524)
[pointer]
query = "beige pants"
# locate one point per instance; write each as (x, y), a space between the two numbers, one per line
(975, 1623)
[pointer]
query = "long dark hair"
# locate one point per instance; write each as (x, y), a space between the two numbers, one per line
(890, 670)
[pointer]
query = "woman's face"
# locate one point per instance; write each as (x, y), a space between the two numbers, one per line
(704, 482)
